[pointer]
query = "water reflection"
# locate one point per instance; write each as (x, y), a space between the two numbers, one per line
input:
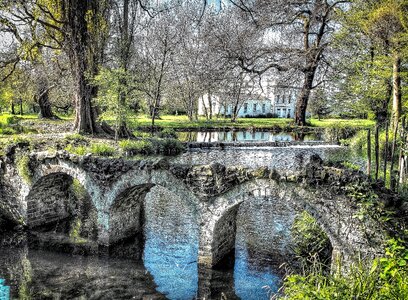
(33, 274)
(171, 247)
(173, 266)
(254, 279)
(169, 268)
(246, 136)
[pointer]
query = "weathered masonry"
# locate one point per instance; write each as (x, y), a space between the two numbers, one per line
(100, 201)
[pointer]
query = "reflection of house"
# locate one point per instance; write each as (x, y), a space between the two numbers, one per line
(278, 101)
(242, 136)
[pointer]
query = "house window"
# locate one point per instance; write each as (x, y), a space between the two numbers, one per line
(255, 107)
(289, 115)
(277, 98)
(284, 113)
(263, 108)
(283, 98)
(290, 98)
(278, 112)
(245, 108)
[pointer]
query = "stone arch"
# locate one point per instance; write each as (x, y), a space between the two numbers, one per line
(126, 220)
(54, 165)
(334, 214)
(60, 213)
(153, 177)
(126, 201)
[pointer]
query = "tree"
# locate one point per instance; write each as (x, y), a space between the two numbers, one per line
(77, 27)
(319, 104)
(372, 42)
(296, 35)
(125, 24)
(155, 51)
(386, 24)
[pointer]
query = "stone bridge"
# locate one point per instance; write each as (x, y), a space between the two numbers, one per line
(103, 198)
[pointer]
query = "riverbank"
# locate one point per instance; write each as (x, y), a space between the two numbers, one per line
(11, 125)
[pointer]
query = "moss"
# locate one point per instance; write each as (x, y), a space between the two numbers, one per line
(261, 173)
(24, 292)
(75, 232)
(23, 168)
(78, 190)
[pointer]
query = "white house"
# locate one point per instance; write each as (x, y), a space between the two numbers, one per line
(271, 99)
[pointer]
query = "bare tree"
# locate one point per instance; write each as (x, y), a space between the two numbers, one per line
(292, 35)
(154, 55)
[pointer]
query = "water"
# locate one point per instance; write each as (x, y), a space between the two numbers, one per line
(246, 136)
(169, 266)
(4, 290)
(33, 274)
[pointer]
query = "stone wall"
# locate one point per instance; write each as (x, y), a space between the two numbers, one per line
(293, 177)
(49, 201)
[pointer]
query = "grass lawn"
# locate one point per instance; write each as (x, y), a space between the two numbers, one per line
(363, 123)
(181, 122)
(168, 121)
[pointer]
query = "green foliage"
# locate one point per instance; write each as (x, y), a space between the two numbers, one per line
(136, 147)
(338, 132)
(383, 279)
(351, 166)
(75, 138)
(152, 146)
(102, 149)
(168, 146)
(168, 133)
(23, 168)
(8, 131)
(311, 242)
(116, 90)
(78, 190)
(78, 150)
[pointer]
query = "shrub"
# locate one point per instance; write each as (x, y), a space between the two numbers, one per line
(136, 147)
(102, 149)
(8, 131)
(168, 133)
(75, 138)
(311, 242)
(168, 146)
(79, 150)
(385, 278)
(12, 120)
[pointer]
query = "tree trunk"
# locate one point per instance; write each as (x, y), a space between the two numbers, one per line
(43, 101)
(303, 99)
(396, 96)
(210, 105)
(21, 107)
(13, 111)
(84, 53)
(381, 114)
(122, 131)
